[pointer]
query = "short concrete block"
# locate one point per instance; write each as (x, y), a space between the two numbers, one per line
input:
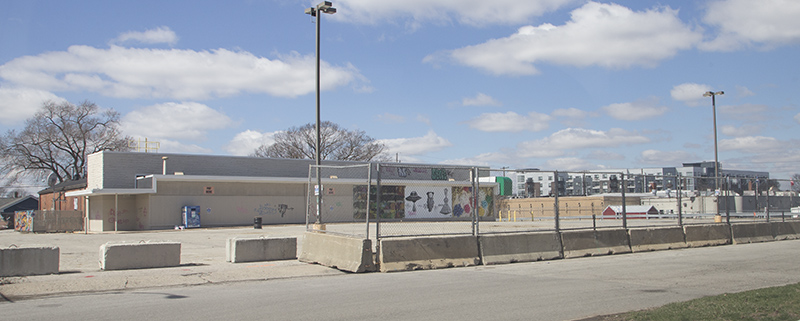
(239, 250)
(425, 253)
(656, 238)
(707, 235)
(341, 252)
(752, 233)
(525, 247)
(150, 254)
(786, 230)
(591, 242)
(29, 261)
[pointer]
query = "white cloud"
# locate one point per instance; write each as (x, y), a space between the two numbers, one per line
(431, 142)
(742, 91)
(470, 12)
(637, 110)
(604, 155)
(797, 118)
(665, 158)
(174, 74)
(598, 34)
(744, 112)
(741, 131)
(424, 119)
(187, 120)
(570, 164)
(570, 112)
(244, 143)
(571, 117)
(152, 36)
(690, 93)
(172, 146)
(754, 144)
(481, 100)
(763, 24)
(391, 118)
(485, 159)
(19, 104)
(579, 138)
(510, 122)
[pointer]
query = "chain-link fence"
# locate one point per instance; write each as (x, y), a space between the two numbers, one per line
(396, 200)
(337, 197)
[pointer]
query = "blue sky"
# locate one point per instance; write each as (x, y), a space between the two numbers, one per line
(550, 84)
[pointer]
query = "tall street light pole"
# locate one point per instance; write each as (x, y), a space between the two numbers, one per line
(323, 7)
(713, 96)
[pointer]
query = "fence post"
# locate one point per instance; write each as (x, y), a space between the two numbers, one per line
(473, 173)
(727, 201)
(555, 203)
(680, 203)
(377, 204)
(767, 209)
(624, 209)
(369, 184)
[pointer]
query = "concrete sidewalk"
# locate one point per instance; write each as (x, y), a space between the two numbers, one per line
(202, 261)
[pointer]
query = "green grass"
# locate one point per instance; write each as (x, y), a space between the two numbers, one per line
(778, 303)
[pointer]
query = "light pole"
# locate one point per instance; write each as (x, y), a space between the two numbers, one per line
(713, 96)
(324, 7)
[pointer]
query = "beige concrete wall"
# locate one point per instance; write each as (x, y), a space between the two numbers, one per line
(568, 205)
(105, 210)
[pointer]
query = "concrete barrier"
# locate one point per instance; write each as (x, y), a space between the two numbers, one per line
(239, 250)
(707, 235)
(526, 247)
(29, 261)
(423, 253)
(150, 254)
(752, 233)
(786, 230)
(656, 238)
(591, 242)
(341, 252)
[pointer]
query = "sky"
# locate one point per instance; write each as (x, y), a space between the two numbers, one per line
(552, 84)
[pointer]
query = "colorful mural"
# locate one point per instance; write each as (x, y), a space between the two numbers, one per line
(23, 221)
(392, 202)
(463, 204)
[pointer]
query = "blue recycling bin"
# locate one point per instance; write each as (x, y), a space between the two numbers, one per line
(190, 216)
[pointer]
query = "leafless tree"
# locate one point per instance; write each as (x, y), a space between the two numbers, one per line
(336, 143)
(57, 140)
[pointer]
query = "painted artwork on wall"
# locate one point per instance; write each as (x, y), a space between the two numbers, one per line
(23, 221)
(463, 204)
(428, 202)
(392, 198)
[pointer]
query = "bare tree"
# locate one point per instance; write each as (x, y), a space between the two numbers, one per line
(336, 143)
(57, 140)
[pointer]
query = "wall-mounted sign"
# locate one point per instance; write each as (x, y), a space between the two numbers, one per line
(209, 190)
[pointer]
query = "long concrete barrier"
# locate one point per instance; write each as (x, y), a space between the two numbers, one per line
(239, 250)
(423, 253)
(751, 233)
(525, 247)
(150, 254)
(591, 242)
(29, 261)
(656, 238)
(707, 235)
(341, 252)
(786, 230)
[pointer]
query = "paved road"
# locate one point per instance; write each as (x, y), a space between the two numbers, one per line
(547, 290)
